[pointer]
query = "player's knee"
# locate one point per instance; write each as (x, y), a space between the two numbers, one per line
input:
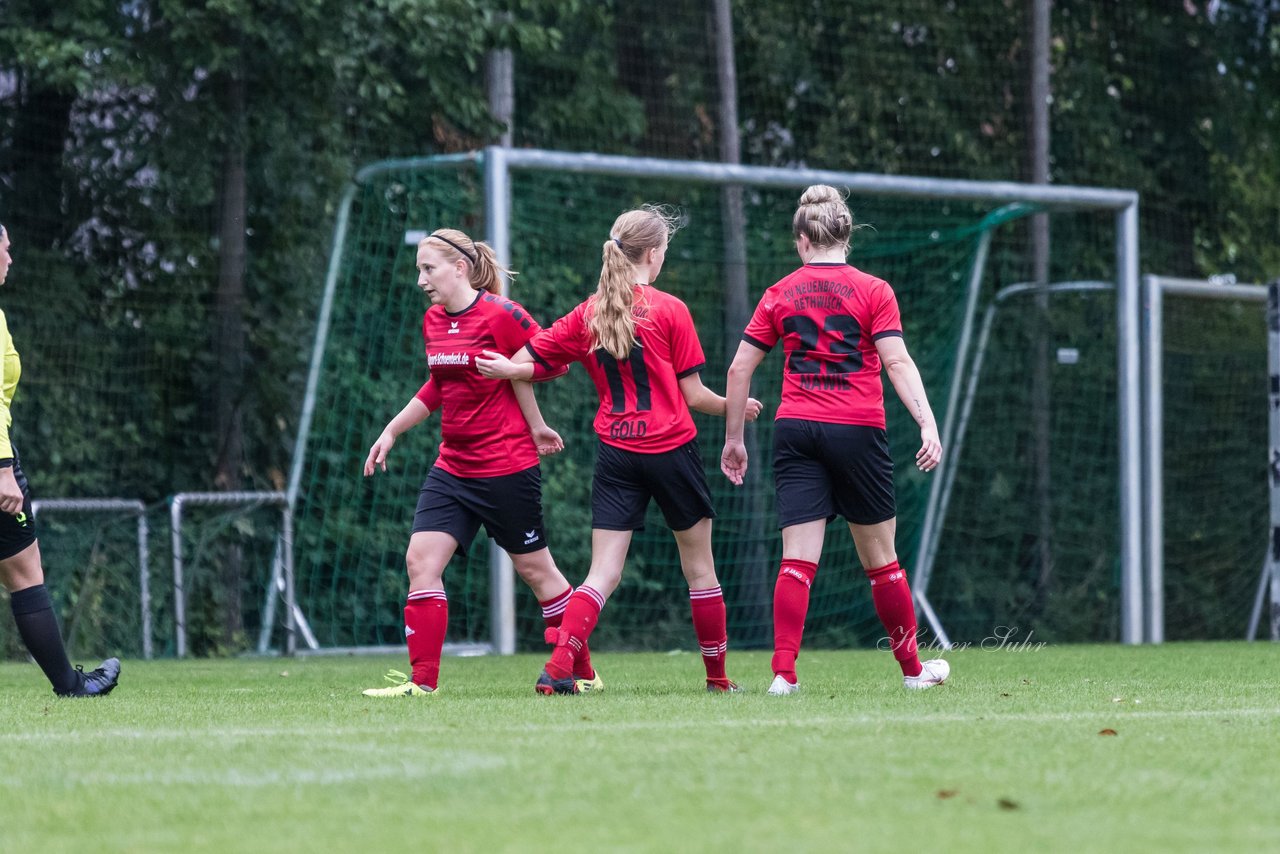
(536, 567)
(700, 577)
(421, 568)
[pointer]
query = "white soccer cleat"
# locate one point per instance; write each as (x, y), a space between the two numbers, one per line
(933, 672)
(781, 687)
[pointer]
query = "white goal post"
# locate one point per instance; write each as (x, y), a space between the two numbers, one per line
(500, 162)
(114, 506)
(1155, 289)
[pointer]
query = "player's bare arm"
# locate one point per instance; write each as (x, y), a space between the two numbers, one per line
(496, 366)
(548, 441)
(905, 377)
(704, 400)
(414, 413)
(733, 459)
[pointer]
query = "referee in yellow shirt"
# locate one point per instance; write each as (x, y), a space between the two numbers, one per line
(20, 570)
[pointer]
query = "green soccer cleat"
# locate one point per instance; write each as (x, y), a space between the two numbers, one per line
(588, 686)
(722, 686)
(400, 687)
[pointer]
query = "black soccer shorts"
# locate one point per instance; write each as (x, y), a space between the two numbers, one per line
(509, 506)
(17, 532)
(625, 481)
(823, 470)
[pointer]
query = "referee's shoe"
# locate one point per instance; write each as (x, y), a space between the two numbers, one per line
(97, 682)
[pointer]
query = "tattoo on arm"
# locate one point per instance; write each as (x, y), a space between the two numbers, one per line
(919, 414)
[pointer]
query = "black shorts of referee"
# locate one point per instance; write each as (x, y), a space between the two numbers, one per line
(823, 470)
(509, 506)
(625, 481)
(19, 531)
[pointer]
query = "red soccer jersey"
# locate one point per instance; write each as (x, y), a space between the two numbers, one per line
(828, 317)
(483, 432)
(641, 407)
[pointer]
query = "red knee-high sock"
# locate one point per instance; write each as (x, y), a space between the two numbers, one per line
(576, 625)
(892, 597)
(709, 625)
(426, 616)
(552, 615)
(790, 605)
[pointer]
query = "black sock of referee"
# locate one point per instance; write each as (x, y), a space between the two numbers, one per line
(38, 626)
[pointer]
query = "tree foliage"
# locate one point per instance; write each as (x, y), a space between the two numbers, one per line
(113, 121)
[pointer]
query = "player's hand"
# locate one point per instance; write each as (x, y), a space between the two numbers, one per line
(733, 461)
(547, 440)
(10, 492)
(378, 453)
(495, 366)
(930, 453)
(754, 408)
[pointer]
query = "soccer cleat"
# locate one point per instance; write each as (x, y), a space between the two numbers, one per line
(933, 672)
(592, 685)
(97, 682)
(548, 686)
(781, 687)
(722, 686)
(400, 687)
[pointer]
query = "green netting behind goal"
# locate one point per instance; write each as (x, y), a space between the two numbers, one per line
(1215, 464)
(352, 531)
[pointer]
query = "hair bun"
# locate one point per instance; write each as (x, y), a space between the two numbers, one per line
(819, 194)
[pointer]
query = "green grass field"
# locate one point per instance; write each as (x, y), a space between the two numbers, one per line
(1013, 754)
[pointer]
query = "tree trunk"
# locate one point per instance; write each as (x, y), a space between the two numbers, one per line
(1041, 403)
(230, 339)
(756, 592)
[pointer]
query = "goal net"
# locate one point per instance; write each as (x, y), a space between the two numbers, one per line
(351, 532)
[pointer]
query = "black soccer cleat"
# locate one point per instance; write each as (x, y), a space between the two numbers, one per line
(97, 682)
(547, 685)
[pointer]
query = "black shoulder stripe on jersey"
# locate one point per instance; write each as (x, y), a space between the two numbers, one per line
(756, 342)
(534, 353)
(888, 333)
(696, 369)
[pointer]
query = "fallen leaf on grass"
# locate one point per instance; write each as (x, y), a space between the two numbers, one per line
(1107, 731)
(1006, 804)
(943, 794)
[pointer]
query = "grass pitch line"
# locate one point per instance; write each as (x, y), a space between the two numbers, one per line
(417, 727)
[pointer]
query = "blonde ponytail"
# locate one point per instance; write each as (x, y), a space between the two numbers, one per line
(612, 322)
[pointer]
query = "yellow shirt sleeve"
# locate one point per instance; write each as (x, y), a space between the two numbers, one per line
(10, 372)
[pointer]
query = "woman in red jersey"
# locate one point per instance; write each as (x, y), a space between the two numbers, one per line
(831, 456)
(641, 349)
(487, 470)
